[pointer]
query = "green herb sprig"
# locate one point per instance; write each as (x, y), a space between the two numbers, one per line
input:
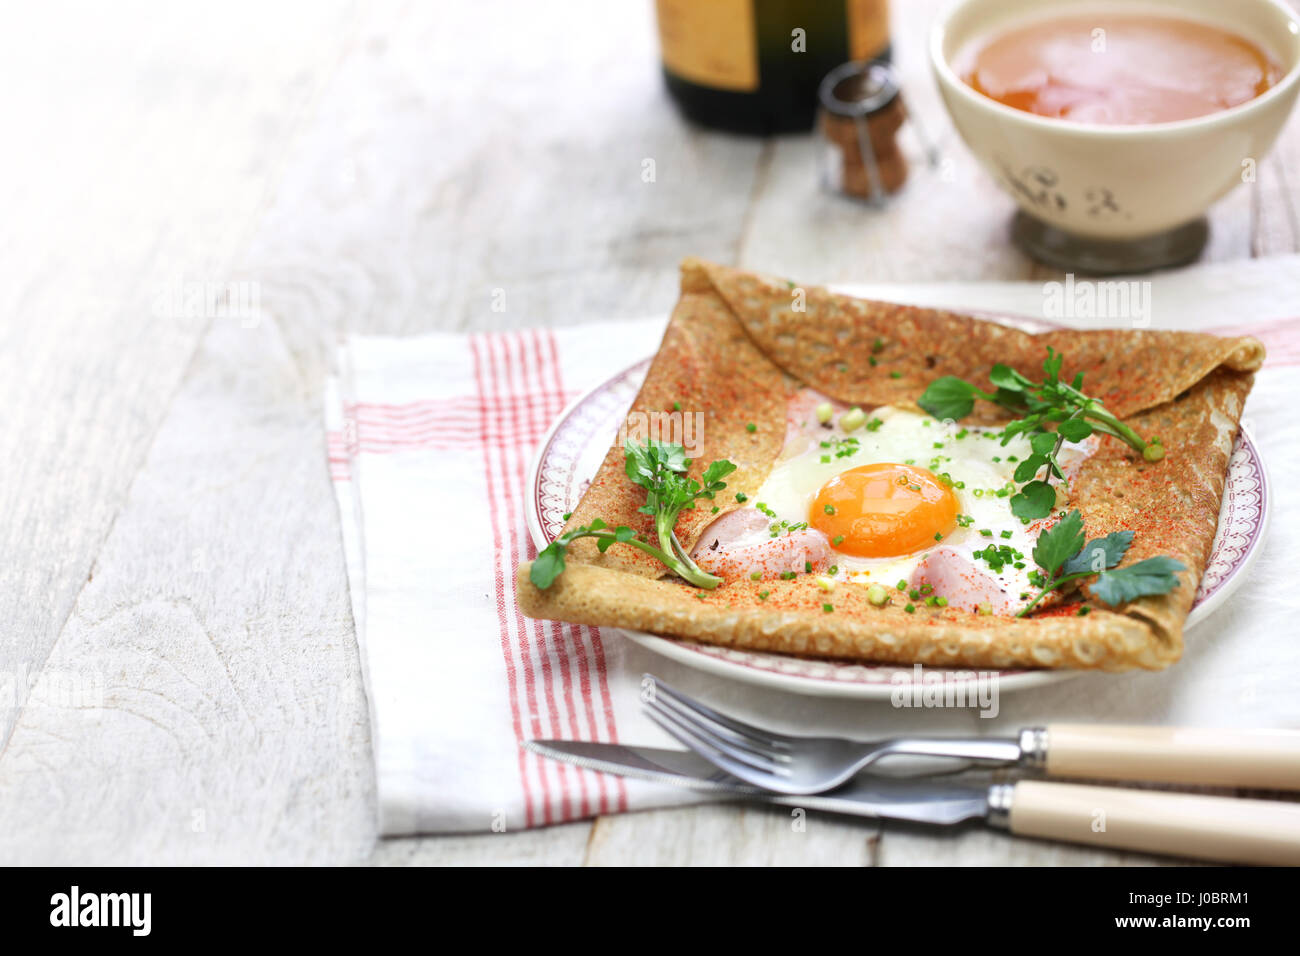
(660, 468)
(1038, 403)
(1064, 556)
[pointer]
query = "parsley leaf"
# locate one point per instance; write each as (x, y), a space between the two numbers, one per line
(547, 566)
(1026, 470)
(1059, 543)
(1074, 429)
(1005, 377)
(1035, 500)
(1152, 576)
(1100, 554)
(950, 398)
(1063, 555)
(1043, 443)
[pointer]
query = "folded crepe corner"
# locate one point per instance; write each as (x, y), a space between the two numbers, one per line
(737, 346)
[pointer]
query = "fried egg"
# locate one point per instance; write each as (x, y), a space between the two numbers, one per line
(902, 499)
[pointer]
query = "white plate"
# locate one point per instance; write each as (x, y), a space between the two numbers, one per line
(576, 444)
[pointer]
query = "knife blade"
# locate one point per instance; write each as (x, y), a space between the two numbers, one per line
(918, 801)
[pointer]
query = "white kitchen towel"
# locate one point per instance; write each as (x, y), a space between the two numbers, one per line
(430, 444)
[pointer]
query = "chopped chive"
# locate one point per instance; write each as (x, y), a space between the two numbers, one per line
(828, 608)
(910, 609)
(837, 540)
(751, 428)
(829, 509)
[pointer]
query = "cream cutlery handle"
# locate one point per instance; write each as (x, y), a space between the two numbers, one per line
(1225, 829)
(1269, 759)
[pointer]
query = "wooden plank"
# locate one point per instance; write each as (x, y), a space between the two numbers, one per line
(413, 203)
(152, 138)
(981, 846)
(221, 717)
(732, 835)
(550, 846)
(142, 167)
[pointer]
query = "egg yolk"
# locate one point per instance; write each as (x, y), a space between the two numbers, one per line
(883, 510)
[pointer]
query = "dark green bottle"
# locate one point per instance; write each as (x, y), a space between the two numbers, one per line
(753, 66)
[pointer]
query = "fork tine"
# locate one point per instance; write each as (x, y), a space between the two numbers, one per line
(712, 754)
(765, 737)
(722, 734)
(702, 733)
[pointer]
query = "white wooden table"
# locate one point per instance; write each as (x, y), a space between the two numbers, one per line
(171, 573)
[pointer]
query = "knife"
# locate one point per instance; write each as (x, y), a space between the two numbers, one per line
(1224, 829)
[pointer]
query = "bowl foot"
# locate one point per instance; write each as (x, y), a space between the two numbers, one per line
(1066, 250)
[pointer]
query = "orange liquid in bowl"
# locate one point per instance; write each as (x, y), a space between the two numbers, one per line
(1118, 69)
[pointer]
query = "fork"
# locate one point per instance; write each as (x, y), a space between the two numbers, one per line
(804, 765)
(797, 765)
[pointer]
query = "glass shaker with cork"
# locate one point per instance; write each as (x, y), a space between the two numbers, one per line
(860, 111)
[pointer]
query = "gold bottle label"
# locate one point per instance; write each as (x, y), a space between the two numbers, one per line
(868, 28)
(713, 43)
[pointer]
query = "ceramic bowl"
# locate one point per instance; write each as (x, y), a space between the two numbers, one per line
(1118, 182)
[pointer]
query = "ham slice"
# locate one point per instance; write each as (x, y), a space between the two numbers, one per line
(738, 545)
(965, 585)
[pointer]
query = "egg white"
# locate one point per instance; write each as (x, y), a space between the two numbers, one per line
(980, 467)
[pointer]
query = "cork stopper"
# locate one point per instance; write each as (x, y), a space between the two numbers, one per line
(861, 113)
